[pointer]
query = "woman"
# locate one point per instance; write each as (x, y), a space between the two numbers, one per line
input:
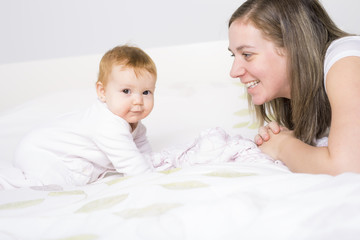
(302, 75)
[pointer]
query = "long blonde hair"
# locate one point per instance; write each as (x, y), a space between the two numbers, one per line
(304, 30)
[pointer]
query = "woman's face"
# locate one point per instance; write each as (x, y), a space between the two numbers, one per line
(259, 64)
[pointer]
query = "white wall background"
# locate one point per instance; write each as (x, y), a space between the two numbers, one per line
(42, 29)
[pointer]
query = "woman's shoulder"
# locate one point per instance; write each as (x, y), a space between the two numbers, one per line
(345, 43)
(340, 48)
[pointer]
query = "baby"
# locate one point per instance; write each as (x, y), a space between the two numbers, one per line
(80, 148)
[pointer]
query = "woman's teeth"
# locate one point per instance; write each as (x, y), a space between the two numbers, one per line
(252, 84)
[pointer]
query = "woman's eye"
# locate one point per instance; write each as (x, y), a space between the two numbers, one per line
(147, 92)
(126, 91)
(246, 55)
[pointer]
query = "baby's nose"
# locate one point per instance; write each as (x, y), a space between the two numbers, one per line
(137, 99)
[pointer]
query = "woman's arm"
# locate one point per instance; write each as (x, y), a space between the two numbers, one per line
(343, 88)
(297, 155)
(343, 151)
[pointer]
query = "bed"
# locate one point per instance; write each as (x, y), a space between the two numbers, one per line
(231, 200)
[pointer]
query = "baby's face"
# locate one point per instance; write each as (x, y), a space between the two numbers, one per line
(129, 96)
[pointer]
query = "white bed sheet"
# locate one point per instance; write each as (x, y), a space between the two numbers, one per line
(215, 201)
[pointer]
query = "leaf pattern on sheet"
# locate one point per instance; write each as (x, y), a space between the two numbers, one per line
(228, 174)
(67, 193)
(241, 125)
(116, 180)
(52, 187)
(184, 185)
(81, 237)
(171, 170)
(245, 114)
(254, 125)
(153, 210)
(21, 204)
(242, 112)
(238, 84)
(103, 203)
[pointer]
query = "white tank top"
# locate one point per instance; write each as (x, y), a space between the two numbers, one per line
(340, 48)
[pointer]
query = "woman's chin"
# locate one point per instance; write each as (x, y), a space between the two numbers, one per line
(257, 101)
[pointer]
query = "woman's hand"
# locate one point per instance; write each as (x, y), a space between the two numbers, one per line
(264, 134)
(276, 142)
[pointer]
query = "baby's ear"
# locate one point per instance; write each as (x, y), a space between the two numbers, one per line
(100, 90)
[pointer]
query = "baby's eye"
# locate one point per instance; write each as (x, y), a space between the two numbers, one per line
(147, 92)
(126, 91)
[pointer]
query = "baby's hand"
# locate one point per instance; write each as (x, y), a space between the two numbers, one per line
(263, 134)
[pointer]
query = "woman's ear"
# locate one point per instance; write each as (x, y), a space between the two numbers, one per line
(100, 90)
(281, 51)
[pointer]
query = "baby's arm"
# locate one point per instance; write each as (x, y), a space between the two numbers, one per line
(116, 142)
(141, 139)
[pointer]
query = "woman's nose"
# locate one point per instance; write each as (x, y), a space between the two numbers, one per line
(237, 69)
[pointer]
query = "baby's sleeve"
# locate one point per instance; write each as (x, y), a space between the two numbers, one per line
(141, 139)
(115, 140)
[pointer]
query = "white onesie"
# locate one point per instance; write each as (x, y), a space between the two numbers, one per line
(79, 148)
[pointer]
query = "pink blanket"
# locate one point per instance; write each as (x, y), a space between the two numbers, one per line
(213, 145)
